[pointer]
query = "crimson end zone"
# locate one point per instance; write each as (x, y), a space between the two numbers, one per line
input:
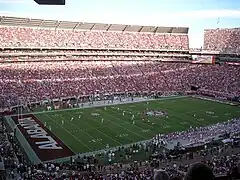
(45, 144)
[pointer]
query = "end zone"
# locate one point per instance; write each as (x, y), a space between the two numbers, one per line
(44, 143)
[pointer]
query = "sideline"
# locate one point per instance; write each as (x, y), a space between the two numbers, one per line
(103, 104)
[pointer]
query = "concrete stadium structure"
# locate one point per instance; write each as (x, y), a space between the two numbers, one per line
(40, 23)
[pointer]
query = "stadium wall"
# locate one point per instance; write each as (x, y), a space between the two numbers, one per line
(32, 156)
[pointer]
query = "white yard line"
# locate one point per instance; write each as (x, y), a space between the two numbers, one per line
(197, 111)
(126, 128)
(69, 133)
(100, 127)
(98, 131)
(90, 135)
(120, 144)
(138, 121)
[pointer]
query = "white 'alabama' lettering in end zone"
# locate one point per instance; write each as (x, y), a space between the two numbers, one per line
(36, 131)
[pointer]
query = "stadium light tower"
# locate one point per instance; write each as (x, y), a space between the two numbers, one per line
(50, 2)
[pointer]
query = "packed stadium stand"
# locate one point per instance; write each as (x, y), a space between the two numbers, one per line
(47, 59)
(224, 40)
(90, 35)
(35, 81)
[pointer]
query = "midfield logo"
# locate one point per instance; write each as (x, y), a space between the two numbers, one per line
(155, 113)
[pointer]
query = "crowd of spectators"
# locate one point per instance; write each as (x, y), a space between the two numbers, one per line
(30, 37)
(89, 51)
(93, 58)
(10, 152)
(143, 171)
(35, 81)
(223, 40)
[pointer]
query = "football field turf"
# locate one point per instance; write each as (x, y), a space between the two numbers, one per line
(90, 129)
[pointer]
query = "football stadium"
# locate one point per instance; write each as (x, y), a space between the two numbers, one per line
(83, 100)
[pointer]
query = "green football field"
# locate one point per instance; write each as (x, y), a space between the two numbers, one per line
(90, 129)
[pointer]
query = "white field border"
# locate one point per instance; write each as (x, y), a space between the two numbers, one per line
(101, 104)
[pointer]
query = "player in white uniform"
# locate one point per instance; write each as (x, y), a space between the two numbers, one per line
(133, 116)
